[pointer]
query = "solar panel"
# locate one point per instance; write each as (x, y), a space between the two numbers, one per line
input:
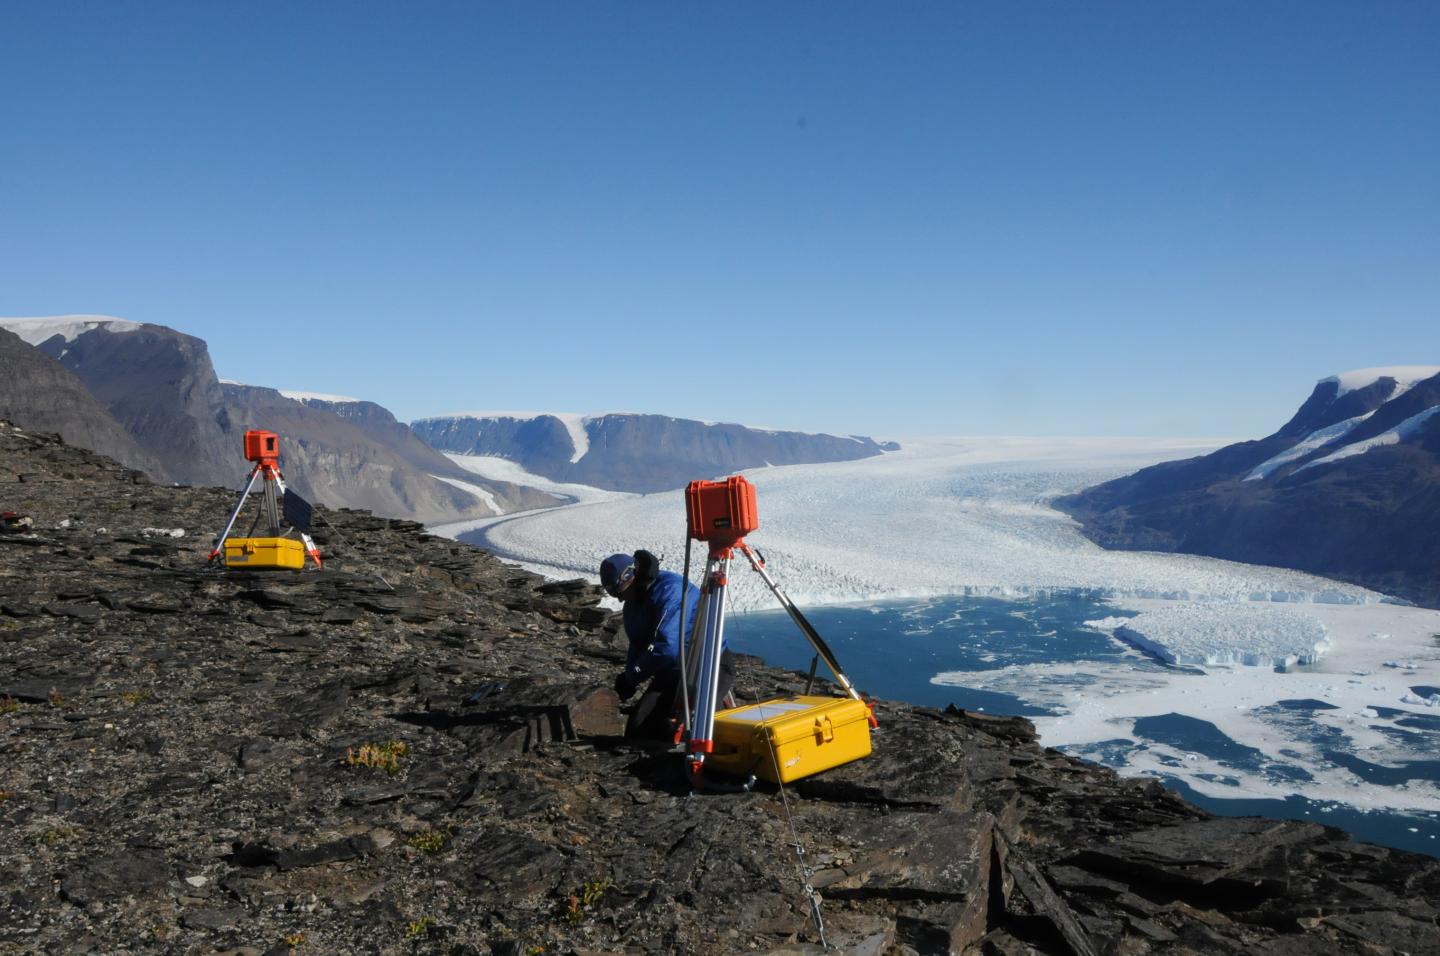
(297, 511)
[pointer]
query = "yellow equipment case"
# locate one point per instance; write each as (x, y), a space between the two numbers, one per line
(264, 553)
(805, 735)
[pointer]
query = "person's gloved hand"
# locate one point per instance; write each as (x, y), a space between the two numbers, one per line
(624, 685)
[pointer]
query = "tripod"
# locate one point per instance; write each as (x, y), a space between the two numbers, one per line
(722, 513)
(263, 448)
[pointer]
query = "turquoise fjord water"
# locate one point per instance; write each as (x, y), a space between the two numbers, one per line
(893, 649)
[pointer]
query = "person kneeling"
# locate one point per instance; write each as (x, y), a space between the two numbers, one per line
(652, 599)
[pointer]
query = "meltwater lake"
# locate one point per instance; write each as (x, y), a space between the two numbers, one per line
(899, 649)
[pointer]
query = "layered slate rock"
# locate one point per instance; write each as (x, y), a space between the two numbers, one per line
(417, 750)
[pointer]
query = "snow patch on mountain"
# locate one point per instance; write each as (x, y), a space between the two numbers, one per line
(1305, 446)
(42, 329)
(484, 495)
(315, 396)
(1393, 436)
(1405, 376)
(575, 425)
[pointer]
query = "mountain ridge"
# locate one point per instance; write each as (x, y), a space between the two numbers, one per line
(1349, 487)
(159, 386)
(631, 451)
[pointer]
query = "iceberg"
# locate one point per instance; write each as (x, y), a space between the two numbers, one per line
(1208, 635)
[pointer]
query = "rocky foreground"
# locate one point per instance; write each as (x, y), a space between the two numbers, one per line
(415, 750)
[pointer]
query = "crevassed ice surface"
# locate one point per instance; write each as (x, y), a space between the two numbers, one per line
(943, 516)
(969, 516)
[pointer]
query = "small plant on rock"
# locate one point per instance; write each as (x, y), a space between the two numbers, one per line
(386, 756)
(430, 841)
(8, 705)
(55, 698)
(417, 928)
(56, 835)
(294, 940)
(584, 899)
(135, 697)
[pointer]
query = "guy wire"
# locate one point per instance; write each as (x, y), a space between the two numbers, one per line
(363, 563)
(801, 865)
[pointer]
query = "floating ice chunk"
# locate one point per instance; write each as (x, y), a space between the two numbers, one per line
(1214, 634)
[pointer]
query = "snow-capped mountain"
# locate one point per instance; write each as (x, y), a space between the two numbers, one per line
(1349, 487)
(631, 452)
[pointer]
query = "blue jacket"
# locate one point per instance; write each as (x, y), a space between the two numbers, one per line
(652, 625)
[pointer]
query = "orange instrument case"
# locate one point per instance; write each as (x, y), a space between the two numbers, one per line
(721, 512)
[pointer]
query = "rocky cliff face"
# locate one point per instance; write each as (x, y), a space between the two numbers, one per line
(41, 394)
(332, 460)
(624, 452)
(376, 423)
(183, 425)
(329, 762)
(161, 386)
(1348, 488)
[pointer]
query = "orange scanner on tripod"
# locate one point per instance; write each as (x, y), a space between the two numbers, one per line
(262, 446)
(721, 512)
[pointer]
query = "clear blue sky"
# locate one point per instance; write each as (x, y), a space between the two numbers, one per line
(892, 219)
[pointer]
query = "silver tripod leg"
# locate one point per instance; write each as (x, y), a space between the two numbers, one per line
(689, 659)
(220, 541)
(702, 722)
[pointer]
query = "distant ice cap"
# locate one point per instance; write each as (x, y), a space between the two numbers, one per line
(36, 330)
(1404, 376)
(315, 396)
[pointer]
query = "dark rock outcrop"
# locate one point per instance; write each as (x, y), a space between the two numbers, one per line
(642, 453)
(1306, 497)
(415, 750)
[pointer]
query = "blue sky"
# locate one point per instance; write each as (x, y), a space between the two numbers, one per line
(892, 219)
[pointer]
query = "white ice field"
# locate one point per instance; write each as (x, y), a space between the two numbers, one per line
(968, 516)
